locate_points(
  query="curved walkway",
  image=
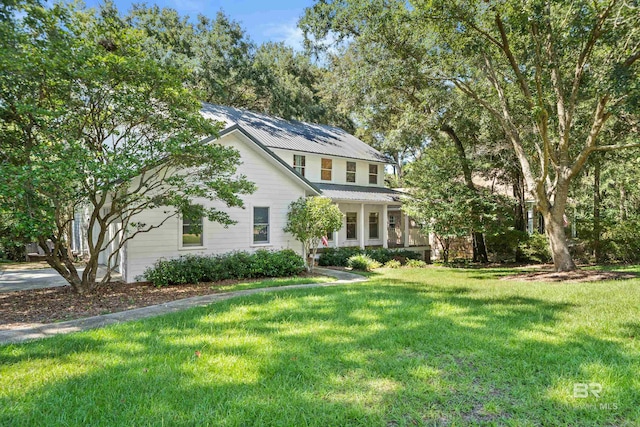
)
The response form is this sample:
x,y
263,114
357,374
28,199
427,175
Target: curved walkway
x,y
47,330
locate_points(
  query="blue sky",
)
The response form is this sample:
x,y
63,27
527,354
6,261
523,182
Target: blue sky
x,y
264,20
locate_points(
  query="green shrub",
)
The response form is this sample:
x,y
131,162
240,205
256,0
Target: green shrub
x,y
504,246
339,257
381,255
416,263
535,248
402,255
363,262
213,268
622,241
392,263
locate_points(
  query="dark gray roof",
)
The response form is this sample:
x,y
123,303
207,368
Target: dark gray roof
x,y
274,132
359,193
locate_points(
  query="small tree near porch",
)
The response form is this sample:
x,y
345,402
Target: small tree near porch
x,y
309,219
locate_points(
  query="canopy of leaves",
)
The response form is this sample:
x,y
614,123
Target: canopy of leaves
x,y
311,218
227,68
90,118
441,200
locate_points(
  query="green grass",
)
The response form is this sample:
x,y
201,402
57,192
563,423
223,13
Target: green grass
x,y
410,347
271,283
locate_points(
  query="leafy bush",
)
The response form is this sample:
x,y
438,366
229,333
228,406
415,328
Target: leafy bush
x,y
504,246
339,257
363,262
535,248
392,263
416,263
213,268
622,241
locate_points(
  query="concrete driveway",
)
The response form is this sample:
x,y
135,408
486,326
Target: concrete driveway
x,y
30,279
35,279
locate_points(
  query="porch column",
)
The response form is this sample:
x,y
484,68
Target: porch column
x,y
385,227
406,231
361,226
335,234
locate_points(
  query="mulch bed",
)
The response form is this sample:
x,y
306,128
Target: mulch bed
x,y
48,305
570,276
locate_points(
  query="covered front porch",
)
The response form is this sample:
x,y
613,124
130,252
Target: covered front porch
x,y
373,218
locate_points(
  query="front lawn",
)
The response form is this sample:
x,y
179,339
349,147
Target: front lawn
x,y
411,347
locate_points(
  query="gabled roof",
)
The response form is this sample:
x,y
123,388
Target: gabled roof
x,y
359,193
270,155
274,132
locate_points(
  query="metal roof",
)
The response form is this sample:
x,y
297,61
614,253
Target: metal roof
x,y
274,132
359,193
271,154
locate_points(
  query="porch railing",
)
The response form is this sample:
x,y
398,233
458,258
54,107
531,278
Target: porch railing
x,y
396,238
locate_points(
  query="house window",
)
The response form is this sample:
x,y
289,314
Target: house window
x,y
373,225
325,169
392,221
191,231
330,237
351,171
352,225
299,163
260,225
373,174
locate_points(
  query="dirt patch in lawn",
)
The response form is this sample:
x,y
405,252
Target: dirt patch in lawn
x,y
48,305
570,276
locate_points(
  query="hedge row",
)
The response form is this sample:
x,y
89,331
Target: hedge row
x,y
233,265
339,257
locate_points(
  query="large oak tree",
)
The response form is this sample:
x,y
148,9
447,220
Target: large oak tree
x,y
554,74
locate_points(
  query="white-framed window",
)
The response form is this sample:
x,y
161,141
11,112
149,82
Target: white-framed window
x,y
351,171
373,174
260,225
352,225
299,163
192,228
374,225
326,166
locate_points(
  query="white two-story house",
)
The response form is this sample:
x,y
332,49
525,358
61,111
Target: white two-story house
x,y
286,160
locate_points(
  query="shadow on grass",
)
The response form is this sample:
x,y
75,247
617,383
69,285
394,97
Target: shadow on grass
x,y
367,354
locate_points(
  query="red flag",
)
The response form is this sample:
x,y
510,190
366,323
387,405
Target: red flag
x,y
325,241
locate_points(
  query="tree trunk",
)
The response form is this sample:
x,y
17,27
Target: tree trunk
x,y
554,228
623,203
479,248
90,272
520,222
59,261
597,228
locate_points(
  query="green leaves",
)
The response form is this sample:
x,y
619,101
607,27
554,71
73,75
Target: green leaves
x,y
91,119
311,218
440,199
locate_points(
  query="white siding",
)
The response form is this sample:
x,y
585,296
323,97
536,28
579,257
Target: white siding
x,y
275,189
339,172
